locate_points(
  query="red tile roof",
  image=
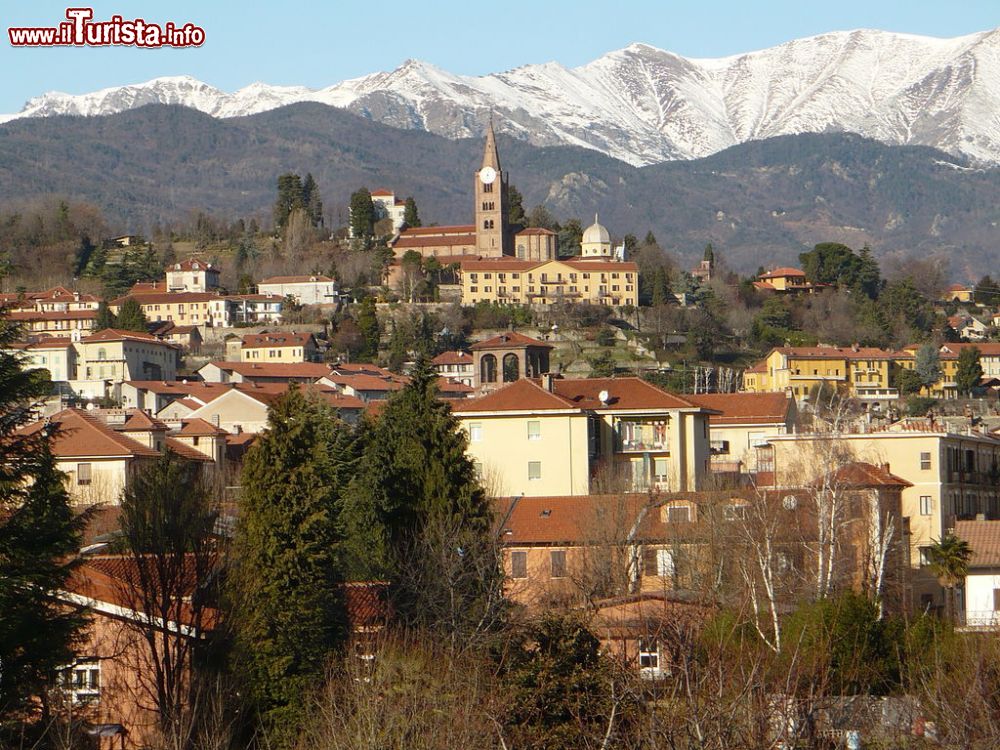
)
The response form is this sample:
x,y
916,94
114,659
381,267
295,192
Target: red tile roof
x,y
784,271
575,519
114,334
82,435
307,279
453,229
623,393
192,264
139,421
860,475
448,240
168,298
186,452
308,370
984,539
837,352
30,315
192,427
452,358
744,408
536,231
509,340
382,192
521,395
277,338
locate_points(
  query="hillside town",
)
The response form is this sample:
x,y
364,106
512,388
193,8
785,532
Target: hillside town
x,y
616,454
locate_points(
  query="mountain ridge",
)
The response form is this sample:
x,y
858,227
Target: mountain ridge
x,y
644,105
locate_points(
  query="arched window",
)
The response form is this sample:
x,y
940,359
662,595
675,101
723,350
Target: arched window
x,y
488,369
511,370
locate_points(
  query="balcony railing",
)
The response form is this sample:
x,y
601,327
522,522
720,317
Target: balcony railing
x,y
641,436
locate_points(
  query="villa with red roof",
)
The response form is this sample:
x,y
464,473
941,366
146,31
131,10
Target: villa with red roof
x,y
552,436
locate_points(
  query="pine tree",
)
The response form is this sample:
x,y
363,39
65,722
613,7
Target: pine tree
x,y
285,593
515,207
410,216
368,323
362,214
311,200
105,318
417,514
38,533
969,370
290,196
131,317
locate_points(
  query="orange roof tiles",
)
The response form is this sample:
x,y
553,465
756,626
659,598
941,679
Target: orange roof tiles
x,y
453,229
575,519
139,421
277,338
312,370
449,240
192,264
736,408
186,452
307,279
509,340
623,393
192,427
782,272
984,539
452,358
82,435
521,395
167,298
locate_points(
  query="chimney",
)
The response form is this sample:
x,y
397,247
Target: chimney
x,y
855,346
547,381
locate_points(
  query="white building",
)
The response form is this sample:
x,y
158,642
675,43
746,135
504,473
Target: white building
x,y
192,275
978,603
306,290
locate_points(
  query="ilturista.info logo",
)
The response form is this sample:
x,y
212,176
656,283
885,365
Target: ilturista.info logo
x,y
81,30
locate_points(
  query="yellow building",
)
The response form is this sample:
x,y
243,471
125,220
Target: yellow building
x,y
597,281
860,372
125,355
953,477
279,347
181,308
569,437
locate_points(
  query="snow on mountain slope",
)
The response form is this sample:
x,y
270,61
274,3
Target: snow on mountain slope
x,y
646,105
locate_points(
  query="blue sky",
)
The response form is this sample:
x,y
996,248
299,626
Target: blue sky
x,y
319,43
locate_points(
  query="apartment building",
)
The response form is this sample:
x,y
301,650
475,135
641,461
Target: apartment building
x,y
864,373
279,347
595,281
572,437
113,355
742,425
181,308
192,275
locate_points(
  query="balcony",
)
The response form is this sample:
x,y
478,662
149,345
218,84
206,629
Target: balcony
x,y
641,436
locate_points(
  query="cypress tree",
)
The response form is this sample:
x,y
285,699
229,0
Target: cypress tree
x,y
368,323
410,216
284,594
38,533
417,514
362,214
311,201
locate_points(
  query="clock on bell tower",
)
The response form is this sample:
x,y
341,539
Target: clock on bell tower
x,y
492,230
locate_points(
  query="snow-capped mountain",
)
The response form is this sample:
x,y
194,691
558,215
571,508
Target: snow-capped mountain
x,y
646,105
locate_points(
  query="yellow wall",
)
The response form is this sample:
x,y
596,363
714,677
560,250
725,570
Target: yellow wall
x,y
604,284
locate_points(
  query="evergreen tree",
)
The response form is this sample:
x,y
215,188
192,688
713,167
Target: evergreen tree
x,y
570,238
410,216
869,277
515,207
81,257
370,331
928,365
418,516
709,253
285,592
38,534
131,317
290,196
105,318
986,292
969,371
362,214
311,201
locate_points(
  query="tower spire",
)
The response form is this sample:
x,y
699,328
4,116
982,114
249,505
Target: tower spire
x,y
491,157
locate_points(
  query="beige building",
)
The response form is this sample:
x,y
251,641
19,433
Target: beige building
x,y
57,355
457,366
113,355
54,322
570,437
181,308
952,476
595,281
742,425
279,347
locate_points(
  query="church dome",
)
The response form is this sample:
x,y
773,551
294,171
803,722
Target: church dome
x,y
596,233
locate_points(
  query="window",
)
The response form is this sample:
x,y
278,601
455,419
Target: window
x,y
926,505
518,564
534,470
925,460
649,657
734,512
534,429
477,467
557,558
660,469
475,432
996,600
720,447
679,514
83,474
925,557
83,680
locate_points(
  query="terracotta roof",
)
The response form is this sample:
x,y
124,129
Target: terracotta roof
x,y
600,265
29,315
306,279
984,539
114,334
744,408
181,330
448,240
574,519
139,421
82,435
192,264
50,342
264,340
186,452
623,393
188,403
509,340
446,385
452,358
363,382
536,231
764,285
147,287
382,192
521,395
860,474
191,427
452,229
367,369
499,264
309,370
197,388
837,352
594,265
784,271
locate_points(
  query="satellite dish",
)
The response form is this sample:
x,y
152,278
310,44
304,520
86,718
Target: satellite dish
x,y
604,396
790,502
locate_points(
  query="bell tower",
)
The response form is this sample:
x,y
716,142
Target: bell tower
x,y
492,230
